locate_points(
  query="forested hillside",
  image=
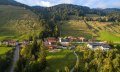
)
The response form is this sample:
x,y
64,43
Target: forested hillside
x,y
69,11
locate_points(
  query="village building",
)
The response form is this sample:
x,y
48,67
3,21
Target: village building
x,y
64,41
50,43
82,39
8,42
95,46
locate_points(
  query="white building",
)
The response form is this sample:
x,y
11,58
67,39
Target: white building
x,y
64,42
102,46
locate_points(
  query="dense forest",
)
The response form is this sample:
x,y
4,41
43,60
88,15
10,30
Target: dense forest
x,y
67,11
98,61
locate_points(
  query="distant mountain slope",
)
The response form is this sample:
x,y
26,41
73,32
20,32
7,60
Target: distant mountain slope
x,y
7,2
17,20
64,11
12,2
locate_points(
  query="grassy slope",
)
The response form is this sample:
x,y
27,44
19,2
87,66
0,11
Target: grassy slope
x,y
103,30
107,31
104,35
58,61
3,50
17,20
75,28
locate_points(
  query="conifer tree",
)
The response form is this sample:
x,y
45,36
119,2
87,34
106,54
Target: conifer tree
x,y
67,69
42,56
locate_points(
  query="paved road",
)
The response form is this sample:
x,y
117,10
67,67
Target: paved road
x,y
16,57
77,61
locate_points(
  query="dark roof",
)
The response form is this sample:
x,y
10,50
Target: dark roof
x,y
95,44
105,46
99,44
65,40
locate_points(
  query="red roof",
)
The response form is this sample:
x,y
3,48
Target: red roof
x,y
51,39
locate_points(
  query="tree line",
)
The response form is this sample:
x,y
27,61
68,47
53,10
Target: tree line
x,y
32,58
98,60
6,61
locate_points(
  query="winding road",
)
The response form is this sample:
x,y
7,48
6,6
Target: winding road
x,y
77,61
16,57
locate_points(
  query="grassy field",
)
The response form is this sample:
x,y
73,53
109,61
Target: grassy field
x,y
4,50
104,35
58,61
75,28
107,31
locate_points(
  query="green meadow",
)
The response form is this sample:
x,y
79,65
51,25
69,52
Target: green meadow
x,y
104,35
4,50
75,28
59,60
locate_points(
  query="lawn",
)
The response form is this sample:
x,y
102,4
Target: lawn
x,y
58,61
104,35
4,50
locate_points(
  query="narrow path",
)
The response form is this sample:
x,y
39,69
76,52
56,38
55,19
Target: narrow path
x,y
76,61
16,57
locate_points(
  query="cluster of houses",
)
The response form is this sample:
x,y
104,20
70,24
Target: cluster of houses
x,y
13,42
54,43
8,42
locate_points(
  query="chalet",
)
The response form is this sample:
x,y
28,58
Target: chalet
x,y
82,39
71,38
64,42
102,46
50,42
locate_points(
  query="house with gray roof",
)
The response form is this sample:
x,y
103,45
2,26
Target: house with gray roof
x,y
97,45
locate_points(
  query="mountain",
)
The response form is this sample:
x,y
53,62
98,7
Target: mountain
x,y
67,10
7,2
17,19
62,11
112,10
